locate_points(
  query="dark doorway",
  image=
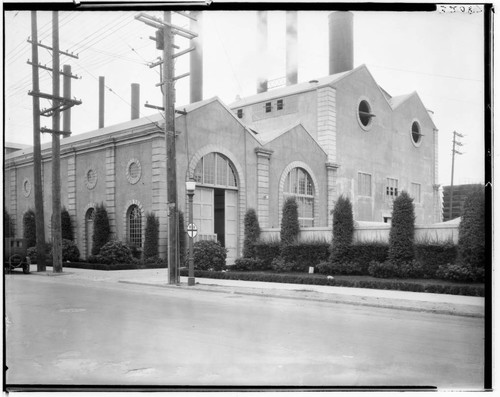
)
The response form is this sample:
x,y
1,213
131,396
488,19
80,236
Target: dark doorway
x,y
219,215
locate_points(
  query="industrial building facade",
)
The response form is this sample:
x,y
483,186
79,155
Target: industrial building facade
x,y
317,140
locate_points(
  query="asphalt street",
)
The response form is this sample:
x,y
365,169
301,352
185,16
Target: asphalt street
x,y
61,330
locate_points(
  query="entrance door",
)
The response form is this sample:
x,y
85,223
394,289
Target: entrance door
x,y
203,212
89,230
231,225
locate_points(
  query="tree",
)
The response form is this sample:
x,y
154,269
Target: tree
x,y
471,232
343,230
151,237
252,233
290,222
402,233
29,228
8,227
102,230
66,226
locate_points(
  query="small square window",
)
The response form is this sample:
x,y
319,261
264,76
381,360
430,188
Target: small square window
x,y
240,113
391,188
279,104
268,107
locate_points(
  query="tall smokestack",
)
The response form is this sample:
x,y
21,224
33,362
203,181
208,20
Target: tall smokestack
x,y
341,41
134,111
291,48
67,94
196,58
262,49
101,101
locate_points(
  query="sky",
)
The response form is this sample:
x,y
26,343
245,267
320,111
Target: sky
x,y
438,55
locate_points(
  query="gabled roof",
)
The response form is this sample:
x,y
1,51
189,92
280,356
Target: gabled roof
x,y
291,89
397,101
264,136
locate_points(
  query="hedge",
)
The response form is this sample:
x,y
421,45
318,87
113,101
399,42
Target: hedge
x,y
433,255
117,266
266,251
305,254
470,290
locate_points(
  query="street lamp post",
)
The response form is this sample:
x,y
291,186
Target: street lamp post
x,y
190,188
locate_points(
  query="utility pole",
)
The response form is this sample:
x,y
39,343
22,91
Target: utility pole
x,y
59,104
37,153
165,32
453,151
67,95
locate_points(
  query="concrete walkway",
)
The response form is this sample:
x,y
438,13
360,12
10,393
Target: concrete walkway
x,y
470,306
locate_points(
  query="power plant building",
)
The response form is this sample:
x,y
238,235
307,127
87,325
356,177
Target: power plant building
x,y
338,135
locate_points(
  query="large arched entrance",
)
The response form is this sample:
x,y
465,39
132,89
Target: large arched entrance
x,y
215,204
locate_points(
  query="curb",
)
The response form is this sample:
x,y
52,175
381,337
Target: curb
x,y
454,310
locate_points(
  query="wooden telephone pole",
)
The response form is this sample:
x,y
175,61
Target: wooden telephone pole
x,y
164,41
58,104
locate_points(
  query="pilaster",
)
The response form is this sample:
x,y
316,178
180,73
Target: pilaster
x,y
72,194
331,185
111,187
263,163
13,198
327,122
159,192
438,203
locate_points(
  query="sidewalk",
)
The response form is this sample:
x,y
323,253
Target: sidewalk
x,y
469,306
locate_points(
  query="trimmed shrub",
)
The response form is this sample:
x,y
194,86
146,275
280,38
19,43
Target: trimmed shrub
x,y
246,264
460,272
471,232
29,228
305,254
8,227
32,253
432,255
98,259
252,233
343,268
116,252
402,233
342,231
280,265
102,230
383,270
209,255
151,237
70,251
66,227
266,251
413,269
182,240
290,222
363,253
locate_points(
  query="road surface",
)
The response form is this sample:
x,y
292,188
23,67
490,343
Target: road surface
x,y
68,332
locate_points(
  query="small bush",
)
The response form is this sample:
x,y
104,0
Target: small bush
x,y
66,226
247,264
266,251
252,233
413,269
32,253
70,251
98,259
29,228
402,233
460,272
279,265
151,236
209,255
290,222
383,270
153,263
343,230
305,254
116,252
434,254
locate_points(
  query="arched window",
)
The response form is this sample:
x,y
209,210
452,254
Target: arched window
x,y
134,226
299,184
214,169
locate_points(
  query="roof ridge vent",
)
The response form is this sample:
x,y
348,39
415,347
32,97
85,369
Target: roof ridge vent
x,y
313,81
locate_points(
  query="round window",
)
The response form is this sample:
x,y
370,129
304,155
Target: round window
x,y
91,178
365,114
133,171
416,134
26,187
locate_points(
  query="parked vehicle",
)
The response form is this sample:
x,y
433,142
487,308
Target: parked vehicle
x,y
15,255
